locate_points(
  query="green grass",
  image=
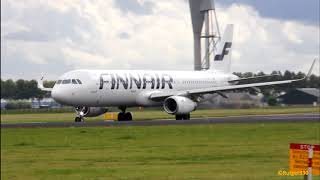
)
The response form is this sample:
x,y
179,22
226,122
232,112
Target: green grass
x,y
38,111
217,151
157,114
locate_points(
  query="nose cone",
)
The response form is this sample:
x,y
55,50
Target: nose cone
x,y
58,95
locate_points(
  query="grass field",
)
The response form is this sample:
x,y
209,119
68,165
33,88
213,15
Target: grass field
x,y
217,151
157,114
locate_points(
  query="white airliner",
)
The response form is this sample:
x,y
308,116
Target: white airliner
x,y
179,92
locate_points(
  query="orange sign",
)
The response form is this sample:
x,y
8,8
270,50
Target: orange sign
x,y
299,158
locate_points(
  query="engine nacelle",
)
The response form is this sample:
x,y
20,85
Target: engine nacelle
x,y
93,111
179,105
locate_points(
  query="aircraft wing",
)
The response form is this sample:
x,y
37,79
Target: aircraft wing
x,y
159,95
252,78
219,89
40,85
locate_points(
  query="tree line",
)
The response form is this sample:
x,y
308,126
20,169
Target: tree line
x,y
23,89
312,82
26,89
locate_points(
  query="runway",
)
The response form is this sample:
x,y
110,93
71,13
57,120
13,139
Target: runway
x,y
233,119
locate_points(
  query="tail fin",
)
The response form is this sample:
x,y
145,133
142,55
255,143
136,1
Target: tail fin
x,y
222,59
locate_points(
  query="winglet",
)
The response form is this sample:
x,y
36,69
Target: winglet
x,y
309,72
311,68
40,85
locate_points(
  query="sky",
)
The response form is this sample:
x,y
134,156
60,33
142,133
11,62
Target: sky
x,y
52,37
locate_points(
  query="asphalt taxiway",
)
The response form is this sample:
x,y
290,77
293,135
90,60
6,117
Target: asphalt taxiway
x,y
233,119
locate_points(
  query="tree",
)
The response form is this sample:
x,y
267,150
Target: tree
x,y
272,101
8,89
313,81
27,89
48,84
21,93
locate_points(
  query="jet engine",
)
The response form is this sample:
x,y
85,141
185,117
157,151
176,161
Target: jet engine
x,y
179,105
91,111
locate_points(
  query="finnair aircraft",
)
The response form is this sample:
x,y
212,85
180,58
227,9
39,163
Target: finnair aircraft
x,y
179,92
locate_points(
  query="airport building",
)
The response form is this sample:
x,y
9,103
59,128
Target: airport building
x,y
44,103
29,103
3,103
301,96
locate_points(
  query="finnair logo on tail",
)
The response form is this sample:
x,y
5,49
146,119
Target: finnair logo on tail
x,y
225,51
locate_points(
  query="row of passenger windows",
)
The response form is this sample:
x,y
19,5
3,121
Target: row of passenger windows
x,y
77,81
198,82
69,81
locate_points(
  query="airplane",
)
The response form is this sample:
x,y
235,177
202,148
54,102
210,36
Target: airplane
x,y
179,92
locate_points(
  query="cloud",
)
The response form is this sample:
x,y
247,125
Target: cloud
x,y
138,7
84,59
270,44
147,34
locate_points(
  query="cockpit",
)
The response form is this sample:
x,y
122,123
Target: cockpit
x,y
69,81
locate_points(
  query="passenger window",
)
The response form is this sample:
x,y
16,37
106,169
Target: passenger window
x,y
79,82
58,82
74,81
66,81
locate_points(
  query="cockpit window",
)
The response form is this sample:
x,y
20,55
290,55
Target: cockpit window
x,y
66,81
69,81
79,82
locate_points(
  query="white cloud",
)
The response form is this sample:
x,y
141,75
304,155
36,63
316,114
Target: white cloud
x,y
270,44
87,34
292,33
83,59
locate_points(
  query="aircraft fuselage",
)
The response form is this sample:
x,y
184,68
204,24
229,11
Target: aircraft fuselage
x,y
100,88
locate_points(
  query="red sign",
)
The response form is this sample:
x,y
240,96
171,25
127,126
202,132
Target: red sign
x,y
299,160
305,146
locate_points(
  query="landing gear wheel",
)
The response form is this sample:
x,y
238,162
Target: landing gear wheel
x,y
179,117
128,116
120,116
183,117
125,116
186,117
77,119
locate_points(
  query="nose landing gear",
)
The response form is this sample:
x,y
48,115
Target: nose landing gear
x,y
79,119
80,114
123,115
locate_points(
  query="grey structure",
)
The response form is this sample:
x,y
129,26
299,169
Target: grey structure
x,y
200,15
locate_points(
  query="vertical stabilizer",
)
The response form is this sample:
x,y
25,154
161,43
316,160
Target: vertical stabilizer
x,y
222,59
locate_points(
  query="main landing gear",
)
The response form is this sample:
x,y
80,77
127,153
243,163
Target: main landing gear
x,y
123,115
183,117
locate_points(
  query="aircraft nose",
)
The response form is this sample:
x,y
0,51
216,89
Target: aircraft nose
x,y
57,95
